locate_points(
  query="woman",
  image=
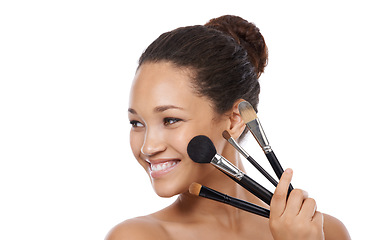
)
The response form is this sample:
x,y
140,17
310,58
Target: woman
x,y
189,82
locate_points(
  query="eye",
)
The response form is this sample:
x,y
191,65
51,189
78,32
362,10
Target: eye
x,y
135,124
170,121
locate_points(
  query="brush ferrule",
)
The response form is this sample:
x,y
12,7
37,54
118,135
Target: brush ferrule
x,y
238,147
259,134
223,164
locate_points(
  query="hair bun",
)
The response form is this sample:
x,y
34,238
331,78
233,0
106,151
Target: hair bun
x,y
247,35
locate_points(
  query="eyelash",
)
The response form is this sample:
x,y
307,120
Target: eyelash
x,y
166,121
134,123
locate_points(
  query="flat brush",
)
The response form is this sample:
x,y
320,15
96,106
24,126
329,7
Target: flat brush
x,y
251,120
202,191
202,150
229,138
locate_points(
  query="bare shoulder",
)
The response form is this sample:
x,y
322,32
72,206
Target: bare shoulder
x,y
335,229
144,228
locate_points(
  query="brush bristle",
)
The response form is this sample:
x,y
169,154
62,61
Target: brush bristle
x,y
195,188
247,112
226,135
201,149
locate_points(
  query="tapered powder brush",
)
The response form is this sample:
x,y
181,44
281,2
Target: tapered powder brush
x,y
206,192
229,138
202,150
251,120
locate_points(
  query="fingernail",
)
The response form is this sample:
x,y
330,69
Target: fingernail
x,y
288,170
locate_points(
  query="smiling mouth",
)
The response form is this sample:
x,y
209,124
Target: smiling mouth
x,y
163,166
159,169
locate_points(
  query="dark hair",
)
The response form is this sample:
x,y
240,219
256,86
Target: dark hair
x,y
227,54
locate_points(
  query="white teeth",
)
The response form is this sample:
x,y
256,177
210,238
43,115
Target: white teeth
x,y
163,166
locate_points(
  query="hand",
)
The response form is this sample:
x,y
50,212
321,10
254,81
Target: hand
x,y
296,218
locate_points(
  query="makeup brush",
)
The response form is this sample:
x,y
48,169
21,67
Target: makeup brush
x,y
250,118
229,138
202,150
202,191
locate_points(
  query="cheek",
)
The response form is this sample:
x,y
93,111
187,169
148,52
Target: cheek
x,y
214,132
179,138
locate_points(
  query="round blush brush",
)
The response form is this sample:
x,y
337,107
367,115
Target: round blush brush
x,y
202,150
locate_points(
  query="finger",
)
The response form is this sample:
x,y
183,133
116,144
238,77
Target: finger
x,y
295,201
278,202
308,209
318,218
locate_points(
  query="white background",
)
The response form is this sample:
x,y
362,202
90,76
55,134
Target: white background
x,y
66,170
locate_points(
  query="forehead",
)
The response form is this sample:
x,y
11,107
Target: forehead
x,y
162,84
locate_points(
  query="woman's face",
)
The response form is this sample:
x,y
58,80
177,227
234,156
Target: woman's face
x,y
165,115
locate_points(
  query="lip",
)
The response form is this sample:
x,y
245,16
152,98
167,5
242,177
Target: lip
x,y
165,166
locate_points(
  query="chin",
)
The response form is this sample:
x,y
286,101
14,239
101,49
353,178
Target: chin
x,y
168,189
165,194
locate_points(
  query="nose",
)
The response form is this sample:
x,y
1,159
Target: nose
x,y
153,144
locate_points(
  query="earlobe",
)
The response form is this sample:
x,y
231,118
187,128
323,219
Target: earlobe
x,y
237,125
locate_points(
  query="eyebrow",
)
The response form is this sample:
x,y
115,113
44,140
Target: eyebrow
x,y
165,107
131,110
158,109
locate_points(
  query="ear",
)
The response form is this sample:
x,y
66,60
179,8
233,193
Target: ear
x,y
237,125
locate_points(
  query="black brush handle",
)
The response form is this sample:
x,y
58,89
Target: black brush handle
x,y
272,158
253,187
235,202
249,207
262,171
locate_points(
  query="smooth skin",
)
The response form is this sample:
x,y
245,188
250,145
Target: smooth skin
x,y
166,113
